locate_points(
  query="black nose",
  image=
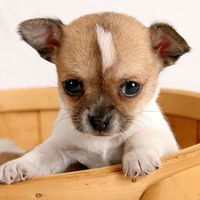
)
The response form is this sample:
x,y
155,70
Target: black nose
x,y
100,121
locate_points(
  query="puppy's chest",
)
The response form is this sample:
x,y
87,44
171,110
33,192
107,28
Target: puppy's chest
x,y
100,155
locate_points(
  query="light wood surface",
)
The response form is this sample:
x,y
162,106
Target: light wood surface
x,y
183,185
46,119
109,182
21,127
185,130
27,116
180,103
41,104
28,99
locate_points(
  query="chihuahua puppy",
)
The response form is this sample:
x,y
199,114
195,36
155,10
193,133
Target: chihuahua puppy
x,y
108,66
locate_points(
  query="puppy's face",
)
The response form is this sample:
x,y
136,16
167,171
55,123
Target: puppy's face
x,y
107,65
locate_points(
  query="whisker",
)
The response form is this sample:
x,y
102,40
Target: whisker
x,y
151,111
63,118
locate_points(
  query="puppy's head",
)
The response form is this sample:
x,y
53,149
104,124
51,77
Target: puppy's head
x,y
107,65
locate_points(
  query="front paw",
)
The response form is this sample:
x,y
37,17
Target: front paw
x,y
140,162
16,171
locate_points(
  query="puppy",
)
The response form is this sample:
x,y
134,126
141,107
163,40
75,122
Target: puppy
x,y
108,66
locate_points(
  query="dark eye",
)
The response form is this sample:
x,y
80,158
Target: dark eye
x,y
73,87
130,88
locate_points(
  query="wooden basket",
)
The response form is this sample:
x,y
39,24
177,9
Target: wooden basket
x,y
27,115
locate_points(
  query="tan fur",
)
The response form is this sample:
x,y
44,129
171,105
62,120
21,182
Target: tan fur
x,y
80,57
81,51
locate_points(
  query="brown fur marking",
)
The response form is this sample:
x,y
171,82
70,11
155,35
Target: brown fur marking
x,y
7,156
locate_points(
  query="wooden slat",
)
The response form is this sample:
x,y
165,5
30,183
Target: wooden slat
x,y
47,119
105,183
22,128
186,130
180,103
183,185
174,102
28,99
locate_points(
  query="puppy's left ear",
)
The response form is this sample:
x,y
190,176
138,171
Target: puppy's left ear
x,y
43,34
167,43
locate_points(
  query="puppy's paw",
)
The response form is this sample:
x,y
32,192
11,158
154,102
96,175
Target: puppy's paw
x,y
16,171
140,162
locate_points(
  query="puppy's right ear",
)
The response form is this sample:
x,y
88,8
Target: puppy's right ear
x,y
167,43
42,34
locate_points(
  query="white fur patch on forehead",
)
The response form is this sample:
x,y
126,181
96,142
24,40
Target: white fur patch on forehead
x,y
106,45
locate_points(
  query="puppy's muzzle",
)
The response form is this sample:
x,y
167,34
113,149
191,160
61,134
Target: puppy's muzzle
x,y
99,120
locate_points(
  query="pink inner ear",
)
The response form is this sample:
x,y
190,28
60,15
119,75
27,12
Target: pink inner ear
x,y
46,37
164,45
52,42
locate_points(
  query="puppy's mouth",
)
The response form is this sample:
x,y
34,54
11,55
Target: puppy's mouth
x,y
101,121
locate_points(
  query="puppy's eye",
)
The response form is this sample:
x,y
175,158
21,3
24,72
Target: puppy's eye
x,y
73,87
130,88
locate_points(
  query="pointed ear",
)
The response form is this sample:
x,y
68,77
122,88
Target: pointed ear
x,y
42,34
167,43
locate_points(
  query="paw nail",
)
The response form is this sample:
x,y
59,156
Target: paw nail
x,y
136,174
126,173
